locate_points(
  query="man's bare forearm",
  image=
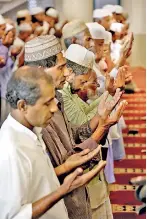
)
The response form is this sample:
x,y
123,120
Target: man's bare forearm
x,y
41,206
94,123
98,134
59,170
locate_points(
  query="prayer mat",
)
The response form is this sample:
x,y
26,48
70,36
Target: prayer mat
x,y
122,194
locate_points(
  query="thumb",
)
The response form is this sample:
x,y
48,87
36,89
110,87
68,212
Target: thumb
x,y
71,177
84,152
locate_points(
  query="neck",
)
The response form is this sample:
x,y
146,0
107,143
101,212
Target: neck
x,y
21,119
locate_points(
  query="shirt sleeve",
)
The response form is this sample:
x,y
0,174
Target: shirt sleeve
x,y
14,186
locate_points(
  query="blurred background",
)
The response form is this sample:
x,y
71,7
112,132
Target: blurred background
x,y
83,9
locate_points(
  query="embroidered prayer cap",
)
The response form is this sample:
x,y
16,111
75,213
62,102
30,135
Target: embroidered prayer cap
x,y
2,20
52,12
119,9
36,10
108,37
80,55
110,8
18,42
25,27
8,28
97,31
101,13
72,28
116,27
42,47
22,13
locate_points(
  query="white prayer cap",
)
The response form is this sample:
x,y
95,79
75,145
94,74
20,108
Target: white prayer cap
x,y
97,31
110,8
36,10
80,55
72,28
25,27
101,13
22,13
42,47
108,37
119,9
39,28
116,27
18,42
2,20
52,12
9,27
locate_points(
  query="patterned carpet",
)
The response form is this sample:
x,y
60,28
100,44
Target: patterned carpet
x,y
122,194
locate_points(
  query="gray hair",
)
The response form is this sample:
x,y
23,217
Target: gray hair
x,y
48,62
25,86
68,41
97,20
77,69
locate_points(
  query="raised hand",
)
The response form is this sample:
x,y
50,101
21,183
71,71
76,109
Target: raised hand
x,y
107,122
127,46
78,159
76,179
106,106
120,79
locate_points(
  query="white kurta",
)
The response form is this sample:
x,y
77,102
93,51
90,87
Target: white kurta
x,y
26,173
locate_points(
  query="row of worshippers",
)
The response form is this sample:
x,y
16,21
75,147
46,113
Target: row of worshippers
x,y
29,153
89,113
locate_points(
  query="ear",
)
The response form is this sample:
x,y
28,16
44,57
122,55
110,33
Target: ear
x,y
22,106
73,40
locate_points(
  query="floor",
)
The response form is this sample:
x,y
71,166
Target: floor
x,y
122,196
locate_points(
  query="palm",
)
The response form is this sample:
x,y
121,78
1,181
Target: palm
x,y
106,106
78,159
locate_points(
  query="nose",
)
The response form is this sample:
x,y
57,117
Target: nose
x,y
54,107
66,72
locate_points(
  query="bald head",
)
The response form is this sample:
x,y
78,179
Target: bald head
x,y
25,84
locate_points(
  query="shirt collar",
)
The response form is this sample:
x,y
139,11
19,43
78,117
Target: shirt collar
x,y
21,128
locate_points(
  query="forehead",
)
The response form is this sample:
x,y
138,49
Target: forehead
x,y
99,41
47,89
61,60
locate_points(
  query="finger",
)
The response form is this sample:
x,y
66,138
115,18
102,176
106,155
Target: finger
x,y
71,177
84,152
111,81
105,96
121,108
92,154
117,96
91,174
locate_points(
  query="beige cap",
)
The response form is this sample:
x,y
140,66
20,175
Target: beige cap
x,y
119,9
52,12
41,48
101,13
25,27
116,27
108,37
36,10
2,20
72,28
80,55
22,13
97,31
110,8
18,42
